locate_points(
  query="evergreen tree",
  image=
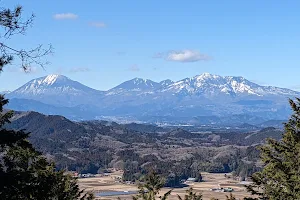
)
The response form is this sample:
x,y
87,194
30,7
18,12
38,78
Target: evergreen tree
x,y
26,174
152,185
280,177
191,195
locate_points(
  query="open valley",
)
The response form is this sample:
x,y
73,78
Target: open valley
x,y
109,186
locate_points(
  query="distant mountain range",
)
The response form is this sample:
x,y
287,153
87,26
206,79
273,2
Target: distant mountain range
x,y
191,100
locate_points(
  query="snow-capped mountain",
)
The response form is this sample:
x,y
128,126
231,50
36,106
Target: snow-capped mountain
x,y
206,85
166,83
213,85
57,90
133,86
201,95
137,84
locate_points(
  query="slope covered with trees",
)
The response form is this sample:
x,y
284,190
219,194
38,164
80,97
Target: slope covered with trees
x,y
92,146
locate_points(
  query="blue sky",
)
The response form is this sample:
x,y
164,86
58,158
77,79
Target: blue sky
x,y
103,43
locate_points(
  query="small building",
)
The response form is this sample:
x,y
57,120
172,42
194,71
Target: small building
x,y
190,180
228,189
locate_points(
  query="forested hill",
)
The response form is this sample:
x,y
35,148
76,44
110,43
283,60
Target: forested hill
x,y
90,146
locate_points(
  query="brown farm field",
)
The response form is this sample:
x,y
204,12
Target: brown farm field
x,y
108,183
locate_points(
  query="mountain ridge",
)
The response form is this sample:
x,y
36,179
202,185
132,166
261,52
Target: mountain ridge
x,y
201,95
199,81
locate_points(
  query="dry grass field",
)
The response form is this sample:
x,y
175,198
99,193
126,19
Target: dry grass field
x,y
108,184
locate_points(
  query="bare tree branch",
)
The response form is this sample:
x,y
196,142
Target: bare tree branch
x,y
13,24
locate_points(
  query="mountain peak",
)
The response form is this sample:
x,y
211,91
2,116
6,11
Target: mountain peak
x,y
137,84
139,80
211,85
52,78
55,85
206,76
205,94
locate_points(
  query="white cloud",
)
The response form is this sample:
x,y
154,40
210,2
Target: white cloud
x,y
98,24
186,56
62,16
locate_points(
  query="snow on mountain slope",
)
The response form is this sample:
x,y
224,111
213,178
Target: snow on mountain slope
x,y
204,94
137,84
52,83
214,85
166,83
206,84
55,89
134,85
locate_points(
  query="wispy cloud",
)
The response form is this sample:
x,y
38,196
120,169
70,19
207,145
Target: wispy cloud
x,y
134,68
186,55
98,24
79,69
62,16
